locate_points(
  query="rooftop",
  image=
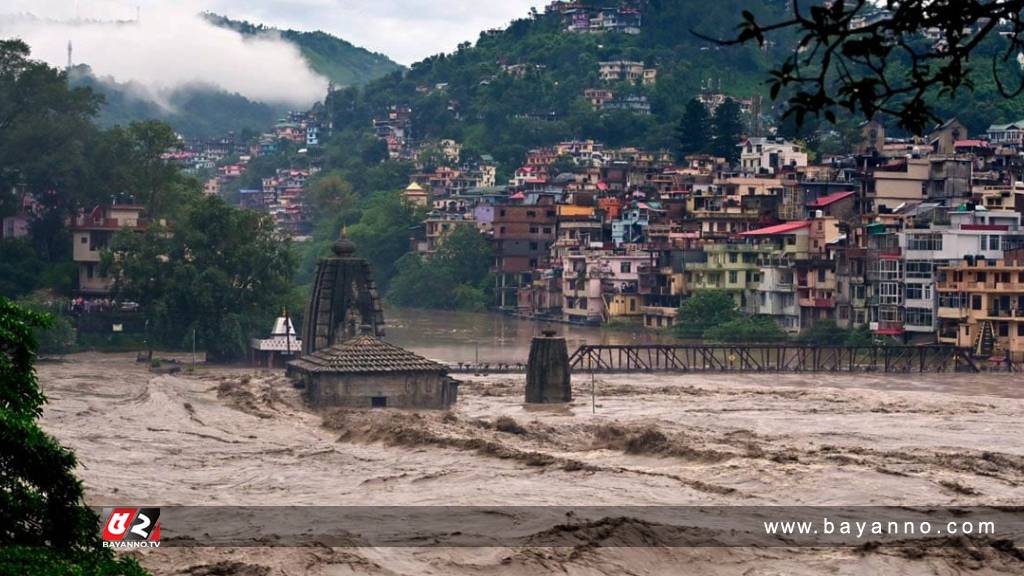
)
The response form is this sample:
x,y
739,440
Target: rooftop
x,y
365,355
830,199
786,228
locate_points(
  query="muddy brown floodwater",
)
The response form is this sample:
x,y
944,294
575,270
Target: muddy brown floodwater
x,y
232,436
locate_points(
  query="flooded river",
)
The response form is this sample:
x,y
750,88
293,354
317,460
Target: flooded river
x,y
237,436
453,337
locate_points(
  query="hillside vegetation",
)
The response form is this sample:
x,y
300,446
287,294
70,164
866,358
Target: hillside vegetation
x,y
470,95
333,58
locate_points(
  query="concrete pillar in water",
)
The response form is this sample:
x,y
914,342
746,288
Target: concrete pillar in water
x,y
547,372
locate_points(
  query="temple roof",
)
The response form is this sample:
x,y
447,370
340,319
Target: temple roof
x,y
362,355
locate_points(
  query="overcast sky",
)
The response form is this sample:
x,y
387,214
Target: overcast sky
x,y
405,30
172,46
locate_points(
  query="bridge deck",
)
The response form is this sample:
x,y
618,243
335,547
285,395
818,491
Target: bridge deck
x,y
767,358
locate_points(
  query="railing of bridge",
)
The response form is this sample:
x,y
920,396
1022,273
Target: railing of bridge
x,y
768,358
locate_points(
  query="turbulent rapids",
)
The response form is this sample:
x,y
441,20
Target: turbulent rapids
x,y
235,437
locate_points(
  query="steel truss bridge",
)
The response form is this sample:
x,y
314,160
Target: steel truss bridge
x,y
769,358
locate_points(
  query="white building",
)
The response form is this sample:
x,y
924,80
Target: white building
x,y
1011,134
282,346
977,233
767,156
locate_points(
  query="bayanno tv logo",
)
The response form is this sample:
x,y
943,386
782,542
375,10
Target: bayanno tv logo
x,y
130,527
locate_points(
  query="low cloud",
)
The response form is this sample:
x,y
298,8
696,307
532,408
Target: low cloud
x,y
168,47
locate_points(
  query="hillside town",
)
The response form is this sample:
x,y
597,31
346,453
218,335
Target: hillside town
x,y
918,239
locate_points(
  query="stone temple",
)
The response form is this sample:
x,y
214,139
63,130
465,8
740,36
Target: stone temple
x,y
344,297
344,362
366,372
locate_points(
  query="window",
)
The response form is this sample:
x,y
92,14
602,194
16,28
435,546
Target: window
x,y
889,269
632,305
919,316
85,240
993,242
732,277
925,242
626,267
975,302
821,275
919,269
889,293
547,230
919,291
534,229
1020,329
732,257
1004,329
530,214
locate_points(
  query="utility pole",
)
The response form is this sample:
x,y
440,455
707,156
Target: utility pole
x,y
593,393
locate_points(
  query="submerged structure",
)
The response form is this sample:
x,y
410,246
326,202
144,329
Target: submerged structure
x,y
344,297
283,345
366,372
548,379
344,362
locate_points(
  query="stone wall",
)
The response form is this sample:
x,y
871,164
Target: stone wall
x,y
431,390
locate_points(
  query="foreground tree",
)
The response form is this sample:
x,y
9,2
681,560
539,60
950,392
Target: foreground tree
x,y
883,58
47,529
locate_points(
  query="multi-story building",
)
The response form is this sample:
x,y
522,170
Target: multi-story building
x,y
523,234
91,234
602,285
767,156
981,305
1011,134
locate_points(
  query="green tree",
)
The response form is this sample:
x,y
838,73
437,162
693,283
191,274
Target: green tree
x,y
746,329
46,136
694,129
466,254
421,284
728,125
47,528
156,183
332,194
20,268
825,333
702,311
220,272
383,233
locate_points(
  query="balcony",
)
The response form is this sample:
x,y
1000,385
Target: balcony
x,y
950,313
887,328
817,302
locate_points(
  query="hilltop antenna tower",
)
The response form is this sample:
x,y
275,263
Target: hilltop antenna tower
x,y
69,56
